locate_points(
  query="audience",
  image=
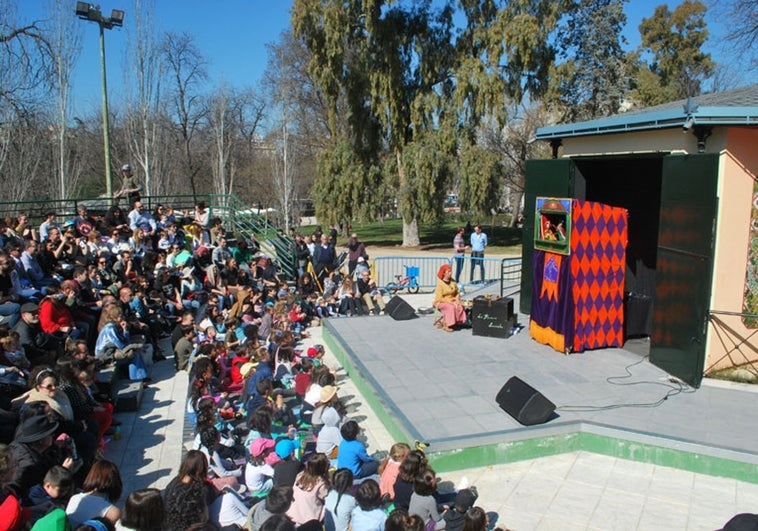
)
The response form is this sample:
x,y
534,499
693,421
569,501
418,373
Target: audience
x,y
267,416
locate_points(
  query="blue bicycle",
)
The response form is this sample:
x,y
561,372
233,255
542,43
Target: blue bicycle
x,y
409,281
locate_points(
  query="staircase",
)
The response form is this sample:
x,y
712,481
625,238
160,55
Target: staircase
x,y
240,218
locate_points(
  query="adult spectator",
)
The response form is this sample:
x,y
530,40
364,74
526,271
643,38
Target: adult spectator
x,y
35,454
24,229
140,219
324,256
46,225
369,293
302,254
116,221
459,252
478,242
125,267
56,318
355,250
40,347
10,309
33,269
129,186
201,220
221,253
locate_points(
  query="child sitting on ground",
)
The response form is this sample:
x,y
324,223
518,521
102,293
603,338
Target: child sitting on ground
x,y
369,514
390,467
259,473
54,491
352,453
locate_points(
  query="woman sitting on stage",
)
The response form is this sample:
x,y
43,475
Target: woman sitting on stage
x,y
447,299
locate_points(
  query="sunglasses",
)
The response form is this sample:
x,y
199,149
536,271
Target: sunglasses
x,y
49,387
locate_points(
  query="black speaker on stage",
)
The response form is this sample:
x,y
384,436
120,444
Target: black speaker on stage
x,y
399,310
524,403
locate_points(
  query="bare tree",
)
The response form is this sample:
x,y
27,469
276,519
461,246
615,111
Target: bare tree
x,y
25,61
514,144
233,119
144,93
186,67
65,41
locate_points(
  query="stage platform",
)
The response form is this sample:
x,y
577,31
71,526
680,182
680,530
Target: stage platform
x,y
440,387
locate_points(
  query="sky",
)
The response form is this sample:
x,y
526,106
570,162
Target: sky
x,y
231,34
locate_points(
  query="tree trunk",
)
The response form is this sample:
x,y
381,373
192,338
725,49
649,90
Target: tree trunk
x,y
410,227
410,233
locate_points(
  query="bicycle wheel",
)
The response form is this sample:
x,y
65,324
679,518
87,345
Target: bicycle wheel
x,y
392,288
413,286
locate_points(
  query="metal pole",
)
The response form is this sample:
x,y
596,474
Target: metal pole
x,y
106,130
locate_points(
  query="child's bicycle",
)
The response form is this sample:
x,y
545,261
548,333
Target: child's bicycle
x,y
409,281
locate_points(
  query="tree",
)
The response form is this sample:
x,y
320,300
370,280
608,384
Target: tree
x,y
678,66
514,145
144,95
411,86
25,62
233,120
742,21
591,81
65,46
186,67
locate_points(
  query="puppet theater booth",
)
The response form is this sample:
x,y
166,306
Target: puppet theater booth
x,y
578,274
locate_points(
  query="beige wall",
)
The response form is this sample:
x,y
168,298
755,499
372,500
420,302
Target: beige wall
x,y
737,170
662,140
728,344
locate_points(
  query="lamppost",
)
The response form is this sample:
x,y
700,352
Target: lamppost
x,y
91,12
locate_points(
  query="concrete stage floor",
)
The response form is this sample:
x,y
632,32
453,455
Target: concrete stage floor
x,y
440,387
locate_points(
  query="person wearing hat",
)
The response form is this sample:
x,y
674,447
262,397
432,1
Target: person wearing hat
x,y
40,347
35,453
129,186
259,472
286,470
329,437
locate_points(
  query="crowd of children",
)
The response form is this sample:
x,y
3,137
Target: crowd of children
x,y
274,447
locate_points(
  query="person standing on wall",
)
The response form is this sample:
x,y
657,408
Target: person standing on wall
x,y
478,244
459,252
129,186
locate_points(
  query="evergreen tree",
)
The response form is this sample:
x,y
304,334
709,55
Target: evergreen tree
x,y
592,80
678,66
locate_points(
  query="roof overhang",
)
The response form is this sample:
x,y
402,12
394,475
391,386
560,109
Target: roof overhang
x,y
653,120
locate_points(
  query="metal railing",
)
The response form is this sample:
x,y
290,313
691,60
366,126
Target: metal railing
x,y
506,271
238,217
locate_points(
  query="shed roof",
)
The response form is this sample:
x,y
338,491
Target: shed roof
x,y
733,107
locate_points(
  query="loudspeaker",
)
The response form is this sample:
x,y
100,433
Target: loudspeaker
x,y
399,310
524,403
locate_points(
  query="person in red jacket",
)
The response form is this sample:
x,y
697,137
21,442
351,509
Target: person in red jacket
x,y
56,318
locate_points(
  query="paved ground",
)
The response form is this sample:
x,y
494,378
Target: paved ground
x,y
577,490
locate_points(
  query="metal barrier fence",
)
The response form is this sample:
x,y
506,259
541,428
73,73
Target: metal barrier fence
x,y
506,271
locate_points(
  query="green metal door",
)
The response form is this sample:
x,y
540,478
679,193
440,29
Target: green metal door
x,y
544,178
684,264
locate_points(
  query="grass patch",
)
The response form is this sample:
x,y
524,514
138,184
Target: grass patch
x,y
438,237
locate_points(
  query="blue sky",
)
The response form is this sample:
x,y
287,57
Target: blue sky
x,y
231,34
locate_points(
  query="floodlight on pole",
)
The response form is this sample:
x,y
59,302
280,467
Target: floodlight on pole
x,y
92,13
